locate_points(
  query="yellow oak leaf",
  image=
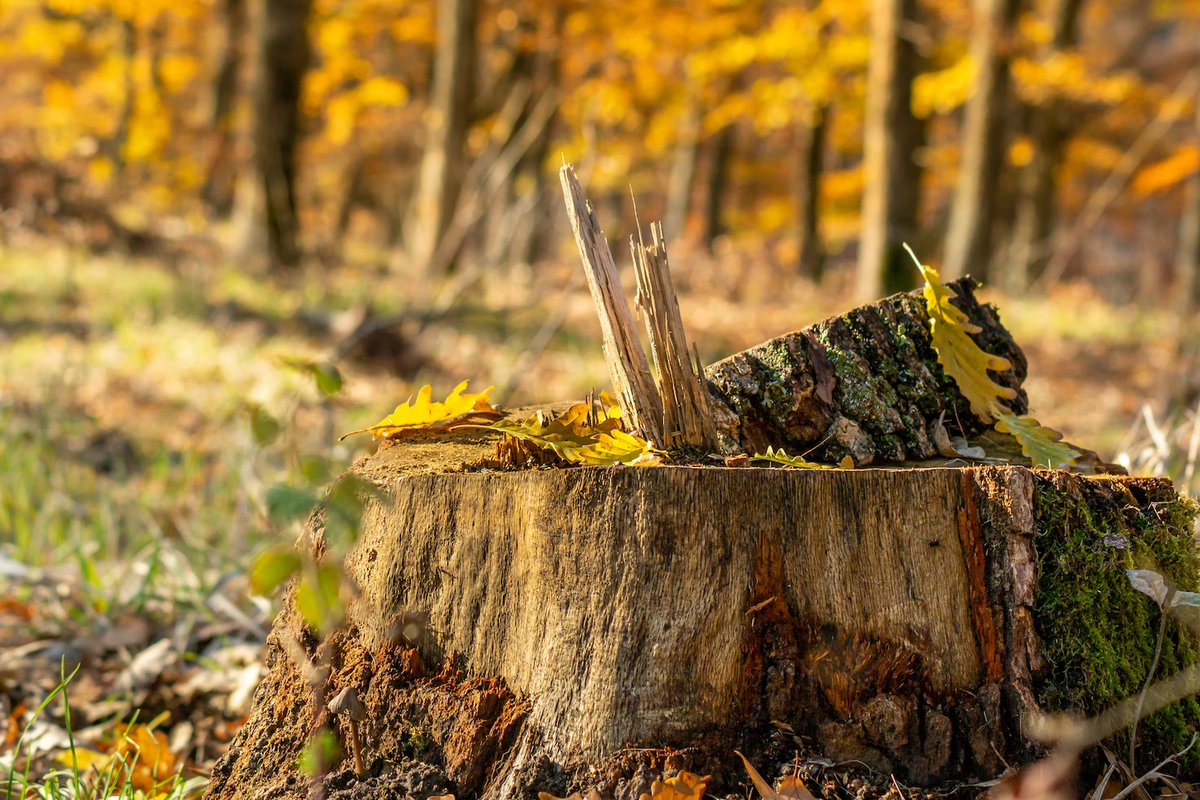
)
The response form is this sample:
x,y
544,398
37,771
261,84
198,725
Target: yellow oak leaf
x,y
960,357
619,447
425,413
1041,444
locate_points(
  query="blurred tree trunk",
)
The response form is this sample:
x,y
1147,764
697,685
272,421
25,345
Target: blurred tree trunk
x,y
892,136
219,187
810,160
718,177
1187,259
446,122
284,57
115,147
1049,129
530,241
968,240
683,170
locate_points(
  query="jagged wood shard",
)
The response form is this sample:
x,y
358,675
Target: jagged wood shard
x,y
686,416
627,363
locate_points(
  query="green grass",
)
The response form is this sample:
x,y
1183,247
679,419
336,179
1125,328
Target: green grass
x,y
116,778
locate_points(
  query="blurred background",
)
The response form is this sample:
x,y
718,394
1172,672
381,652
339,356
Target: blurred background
x,y
231,230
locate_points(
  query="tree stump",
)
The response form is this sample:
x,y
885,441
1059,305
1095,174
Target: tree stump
x,y
573,628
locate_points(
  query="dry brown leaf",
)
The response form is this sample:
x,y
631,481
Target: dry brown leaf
x,y
1052,778
792,788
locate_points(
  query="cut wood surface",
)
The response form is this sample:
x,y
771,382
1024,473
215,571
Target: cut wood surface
x,y
891,616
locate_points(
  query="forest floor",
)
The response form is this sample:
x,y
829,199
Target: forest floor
x,y
133,483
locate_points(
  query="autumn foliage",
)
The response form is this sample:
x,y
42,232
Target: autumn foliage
x,y
703,107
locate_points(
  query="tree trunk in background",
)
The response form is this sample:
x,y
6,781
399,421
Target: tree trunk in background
x,y
968,240
115,147
1187,259
892,135
718,177
536,229
810,162
683,171
1048,133
222,172
446,122
284,57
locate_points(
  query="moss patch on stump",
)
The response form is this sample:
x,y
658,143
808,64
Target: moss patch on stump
x,y
1098,632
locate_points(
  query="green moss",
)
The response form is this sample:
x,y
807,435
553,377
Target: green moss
x,y
1098,633
415,742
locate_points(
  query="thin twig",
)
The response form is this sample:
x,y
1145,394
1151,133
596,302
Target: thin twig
x,y
1137,713
1169,759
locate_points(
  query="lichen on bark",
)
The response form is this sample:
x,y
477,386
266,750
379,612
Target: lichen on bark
x,y
883,388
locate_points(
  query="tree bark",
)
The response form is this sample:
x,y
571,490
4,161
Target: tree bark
x,y
284,57
219,186
1187,258
586,626
447,120
718,178
968,240
683,170
810,163
891,137
1049,127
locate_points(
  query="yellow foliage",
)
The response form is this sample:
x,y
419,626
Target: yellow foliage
x,y
382,91
960,357
943,91
425,413
584,433
1065,74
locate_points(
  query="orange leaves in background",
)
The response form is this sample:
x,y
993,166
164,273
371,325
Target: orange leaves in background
x,y
1176,168
426,413
141,752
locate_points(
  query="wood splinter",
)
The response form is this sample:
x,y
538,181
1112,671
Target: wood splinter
x,y
674,411
682,386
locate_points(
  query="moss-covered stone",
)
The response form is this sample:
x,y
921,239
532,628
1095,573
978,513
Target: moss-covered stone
x,y
1098,632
